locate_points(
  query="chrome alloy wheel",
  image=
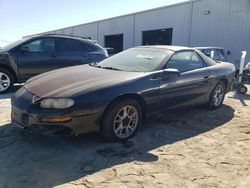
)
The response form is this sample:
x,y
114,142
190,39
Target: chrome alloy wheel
x,y
126,121
218,95
4,81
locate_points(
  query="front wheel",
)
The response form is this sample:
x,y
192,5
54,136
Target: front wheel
x,y
217,96
6,81
121,120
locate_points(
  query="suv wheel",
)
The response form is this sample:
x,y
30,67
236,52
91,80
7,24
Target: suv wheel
x,y
6,81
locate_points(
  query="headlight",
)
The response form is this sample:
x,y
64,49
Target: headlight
x,y
56,103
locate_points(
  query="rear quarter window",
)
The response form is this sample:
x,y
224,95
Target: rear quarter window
x,y
72,45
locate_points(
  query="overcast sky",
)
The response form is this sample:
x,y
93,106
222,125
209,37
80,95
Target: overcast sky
x,y
25,17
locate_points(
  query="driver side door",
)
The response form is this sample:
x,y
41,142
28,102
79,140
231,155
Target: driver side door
x,y
190,87
40,56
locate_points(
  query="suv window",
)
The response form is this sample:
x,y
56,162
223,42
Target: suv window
x,y
185,61
42,45
71,45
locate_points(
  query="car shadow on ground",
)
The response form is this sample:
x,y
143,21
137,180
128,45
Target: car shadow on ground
x,y
34,160
241,97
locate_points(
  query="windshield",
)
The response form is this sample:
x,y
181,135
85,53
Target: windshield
x,y
13,44
136,60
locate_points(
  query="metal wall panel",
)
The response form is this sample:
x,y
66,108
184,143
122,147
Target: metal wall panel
x,y
86,30
227,25
176,17
65,31
121,25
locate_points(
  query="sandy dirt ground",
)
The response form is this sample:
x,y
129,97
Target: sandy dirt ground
x,y
195,148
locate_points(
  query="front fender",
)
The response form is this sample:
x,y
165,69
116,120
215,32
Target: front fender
x,y
98,100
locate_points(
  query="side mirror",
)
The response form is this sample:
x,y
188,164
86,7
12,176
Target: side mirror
x,y
24,49
169,73
228,52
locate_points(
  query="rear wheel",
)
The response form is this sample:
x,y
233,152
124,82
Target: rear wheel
x,y
217,95
121,120
241,88
6,81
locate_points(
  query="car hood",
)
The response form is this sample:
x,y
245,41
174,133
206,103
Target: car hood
x,y
71,81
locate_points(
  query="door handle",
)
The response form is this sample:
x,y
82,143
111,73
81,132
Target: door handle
x,y
206,77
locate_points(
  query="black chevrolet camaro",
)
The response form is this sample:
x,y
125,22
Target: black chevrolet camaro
x,y
115,95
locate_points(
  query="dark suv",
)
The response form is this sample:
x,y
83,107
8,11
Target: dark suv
x,y
30,56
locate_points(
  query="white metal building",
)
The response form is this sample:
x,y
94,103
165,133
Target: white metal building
x,y
222,23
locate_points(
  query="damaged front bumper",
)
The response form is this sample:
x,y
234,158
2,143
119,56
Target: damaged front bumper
x,y
27,115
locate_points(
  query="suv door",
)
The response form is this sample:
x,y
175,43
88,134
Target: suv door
x,y
73,52
191,86
39,57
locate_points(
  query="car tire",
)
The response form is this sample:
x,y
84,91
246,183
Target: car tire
x,y
241,88
121,120
217,96
6,81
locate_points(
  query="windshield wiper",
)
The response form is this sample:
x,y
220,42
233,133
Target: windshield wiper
x,y
95,64
111,68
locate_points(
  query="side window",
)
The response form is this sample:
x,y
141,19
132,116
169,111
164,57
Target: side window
x,y
71,45
42,45
185,61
